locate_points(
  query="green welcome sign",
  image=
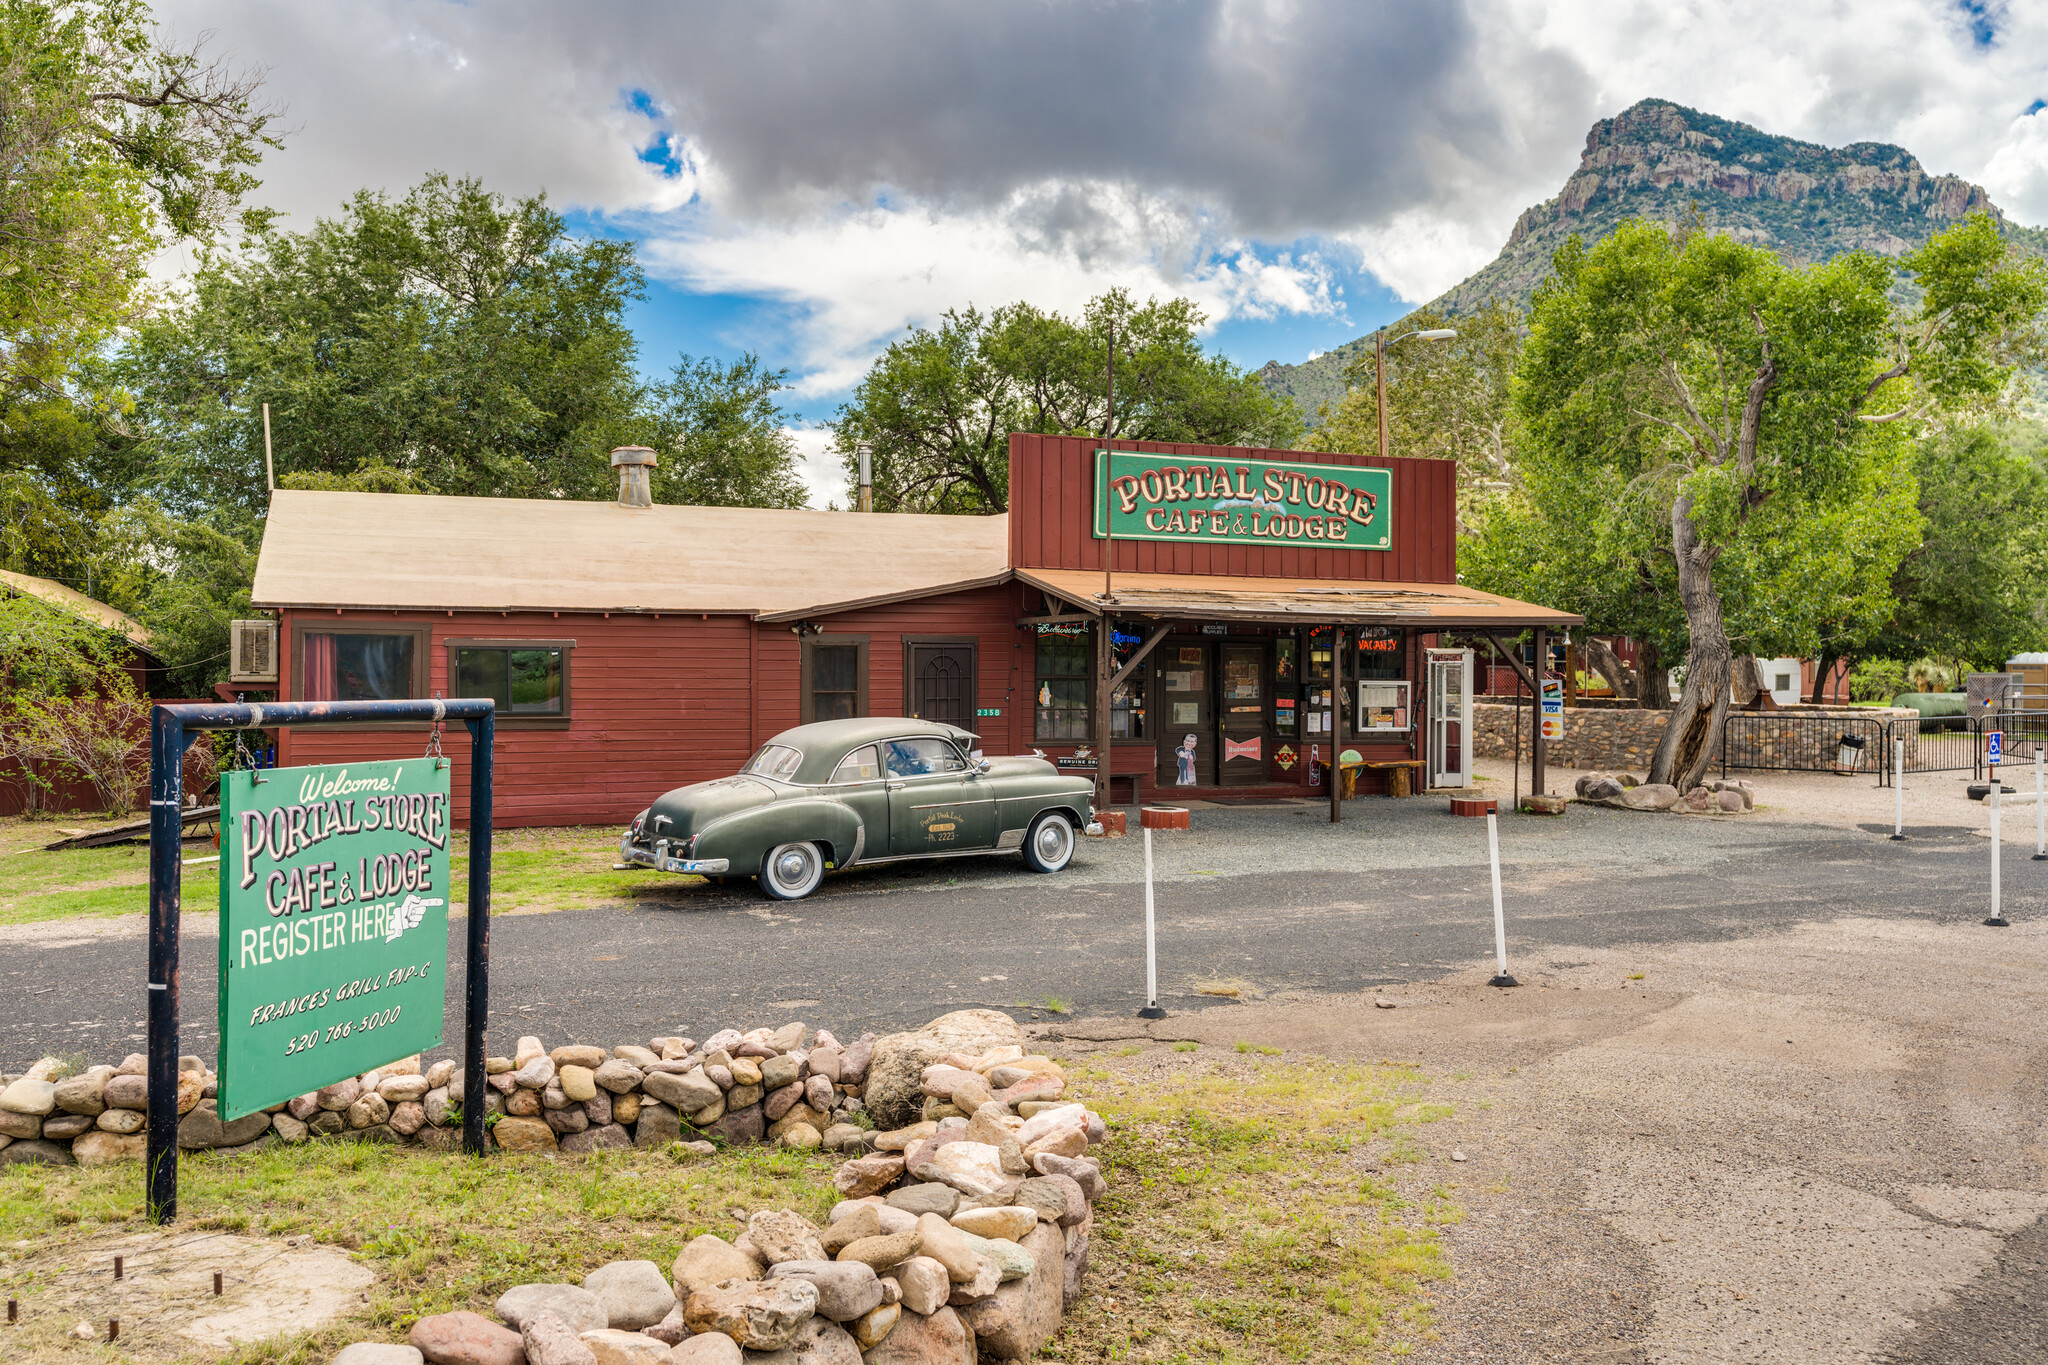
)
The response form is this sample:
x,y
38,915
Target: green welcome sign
x,y
1257,502
333,924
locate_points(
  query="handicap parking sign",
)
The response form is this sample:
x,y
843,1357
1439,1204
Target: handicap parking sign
x,y
1996,753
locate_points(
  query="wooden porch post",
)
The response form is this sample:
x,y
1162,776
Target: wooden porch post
x,y
1103,655
1336,684
1536,744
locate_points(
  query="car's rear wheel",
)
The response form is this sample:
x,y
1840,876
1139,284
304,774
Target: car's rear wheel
x,y
792,871
1049,843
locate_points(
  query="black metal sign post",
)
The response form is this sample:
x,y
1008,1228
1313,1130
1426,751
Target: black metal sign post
x,y
172,729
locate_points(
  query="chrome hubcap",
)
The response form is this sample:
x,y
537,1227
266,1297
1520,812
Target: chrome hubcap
x,y
792,867
1052,840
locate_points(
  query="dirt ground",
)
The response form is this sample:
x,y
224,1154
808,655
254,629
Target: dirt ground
x,y
1818,1145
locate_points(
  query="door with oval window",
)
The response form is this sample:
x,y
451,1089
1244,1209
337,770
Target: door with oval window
x,y
938,681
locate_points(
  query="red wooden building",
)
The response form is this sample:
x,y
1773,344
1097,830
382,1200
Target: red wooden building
x,y
1264,610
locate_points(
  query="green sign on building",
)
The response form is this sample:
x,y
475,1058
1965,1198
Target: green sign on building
x,y
333,924
1250,502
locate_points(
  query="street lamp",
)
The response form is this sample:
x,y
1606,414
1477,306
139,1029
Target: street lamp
x,y
1380,370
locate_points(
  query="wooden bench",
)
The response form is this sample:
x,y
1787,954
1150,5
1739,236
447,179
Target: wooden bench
x,y
1400,781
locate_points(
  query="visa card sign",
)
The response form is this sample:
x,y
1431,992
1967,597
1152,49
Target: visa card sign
x,y
333,924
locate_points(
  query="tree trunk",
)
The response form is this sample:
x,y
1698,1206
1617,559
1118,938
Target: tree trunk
x,y
1821,668
1747,685
1693,734
1653,689
1609,667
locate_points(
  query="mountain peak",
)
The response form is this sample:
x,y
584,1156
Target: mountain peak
x,y
1661,160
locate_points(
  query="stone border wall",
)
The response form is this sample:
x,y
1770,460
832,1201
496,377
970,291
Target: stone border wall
x,y
1625,738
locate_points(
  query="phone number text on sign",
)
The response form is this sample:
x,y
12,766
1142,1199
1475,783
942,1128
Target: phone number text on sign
x,y
334,918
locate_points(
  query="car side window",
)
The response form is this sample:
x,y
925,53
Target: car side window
x,y
921,756
862,765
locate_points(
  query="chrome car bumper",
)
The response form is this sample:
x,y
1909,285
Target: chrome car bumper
x,y
632,855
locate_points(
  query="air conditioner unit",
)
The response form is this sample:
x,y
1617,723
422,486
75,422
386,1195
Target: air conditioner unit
x,y
252,654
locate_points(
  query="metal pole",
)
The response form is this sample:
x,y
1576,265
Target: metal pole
x,y
166,868
1998,919
1899,787
1336,681
1380,376
269,470
476,981
1108,424
1151,1010
2040,806
1538,750
1500,923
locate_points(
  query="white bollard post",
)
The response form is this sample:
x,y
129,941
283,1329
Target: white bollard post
x,y
2040,805
1899,782
1151,1010
1500,923
1998,919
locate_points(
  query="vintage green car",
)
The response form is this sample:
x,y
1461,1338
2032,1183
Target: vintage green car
x,y
867,790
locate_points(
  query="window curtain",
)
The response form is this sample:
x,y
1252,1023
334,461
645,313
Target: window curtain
x,y
316,680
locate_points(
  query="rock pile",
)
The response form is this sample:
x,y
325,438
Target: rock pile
x,y
1624,792
962,1237
785,1085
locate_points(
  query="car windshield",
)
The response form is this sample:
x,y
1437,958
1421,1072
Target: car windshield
x,y
778,761
917,757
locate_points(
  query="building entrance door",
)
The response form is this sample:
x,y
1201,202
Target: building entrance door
x,y
939,681
1243,728
1187,721
1450,717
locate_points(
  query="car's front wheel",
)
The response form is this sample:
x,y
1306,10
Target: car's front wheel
x,y
792,871
1049,843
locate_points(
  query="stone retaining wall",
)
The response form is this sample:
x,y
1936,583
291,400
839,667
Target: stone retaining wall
x,y
1625,738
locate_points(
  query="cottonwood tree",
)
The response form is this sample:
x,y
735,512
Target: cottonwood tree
x,y
938,406
1767,411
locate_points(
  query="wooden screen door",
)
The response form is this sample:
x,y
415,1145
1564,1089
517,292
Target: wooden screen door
x,y
941,681
1243,728
1187,719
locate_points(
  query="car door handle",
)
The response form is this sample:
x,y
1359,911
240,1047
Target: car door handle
x,y
892,786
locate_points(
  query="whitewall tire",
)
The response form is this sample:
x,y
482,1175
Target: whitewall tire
x,y
1049,843
792,871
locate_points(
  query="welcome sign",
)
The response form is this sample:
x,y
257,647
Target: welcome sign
x,y
1258,502
333,924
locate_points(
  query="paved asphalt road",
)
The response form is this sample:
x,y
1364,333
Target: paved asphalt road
x,y
1272,897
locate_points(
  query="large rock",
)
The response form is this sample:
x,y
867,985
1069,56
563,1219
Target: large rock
x,y
687,1094
550,1341
523,1135
611,1346
1010,1258
202,1128
1008,1223
846,1289
943,1200
870,1330
707,1348
785,1236
1023,1315
985,1281
607,1137
635,1294
465,1338
820,1341
739,1125
130,1092
618,1076
939,1339
577,1308
64,1127
945,1244
104,1149
880,1253
1651,796
377,1353
894,1094
29,1096
709,1260
1076,1268
859,1220
84,1094
134,1120
924,1283
35,1152
654,1127
973,1168
761,1315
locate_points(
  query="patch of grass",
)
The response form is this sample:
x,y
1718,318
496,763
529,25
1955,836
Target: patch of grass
x,y
1238,1226
91,883
1186,1047
441,1232
1057,1005
1130,1050
1635,976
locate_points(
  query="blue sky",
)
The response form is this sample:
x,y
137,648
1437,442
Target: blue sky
x,y
806,180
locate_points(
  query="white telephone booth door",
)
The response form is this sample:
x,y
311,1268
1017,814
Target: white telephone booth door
x,y
1450,718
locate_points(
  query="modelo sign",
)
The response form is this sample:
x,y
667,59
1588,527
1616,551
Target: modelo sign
x,y
333,924
1170,497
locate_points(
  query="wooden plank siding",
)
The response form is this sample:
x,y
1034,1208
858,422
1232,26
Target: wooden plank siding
x,y
1052,501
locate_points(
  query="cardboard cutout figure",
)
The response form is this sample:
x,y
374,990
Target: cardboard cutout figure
x,y
1186,754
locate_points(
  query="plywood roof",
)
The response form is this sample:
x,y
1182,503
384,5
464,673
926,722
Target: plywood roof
x,y
1312,601
412,551
76,603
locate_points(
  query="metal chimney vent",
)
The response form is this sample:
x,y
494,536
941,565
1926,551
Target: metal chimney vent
x,y
633,462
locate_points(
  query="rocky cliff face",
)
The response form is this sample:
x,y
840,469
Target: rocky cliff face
x,y
1661,160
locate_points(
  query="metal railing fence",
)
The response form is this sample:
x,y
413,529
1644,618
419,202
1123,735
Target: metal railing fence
x,y
1953,744
1777,741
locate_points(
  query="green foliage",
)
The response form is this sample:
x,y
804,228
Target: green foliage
x,y
938,406
459,339
721,438
112,144
45,652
